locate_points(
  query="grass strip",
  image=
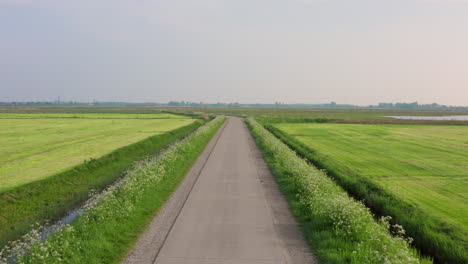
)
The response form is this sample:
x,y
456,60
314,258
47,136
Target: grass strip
x,y
339,228
116,216
433,237
51,198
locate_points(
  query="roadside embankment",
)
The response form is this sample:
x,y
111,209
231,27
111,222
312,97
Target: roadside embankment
x,y
339,228
53,197
115,217
443,241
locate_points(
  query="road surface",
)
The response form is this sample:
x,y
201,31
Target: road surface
x,y
228,210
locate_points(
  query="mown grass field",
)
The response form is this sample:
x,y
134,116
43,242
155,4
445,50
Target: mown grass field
x,y
36,146
53,142
415,173
278,113
339,228
115,218
426,166
111,115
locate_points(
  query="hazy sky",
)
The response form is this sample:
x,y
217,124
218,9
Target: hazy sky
x,y
293,51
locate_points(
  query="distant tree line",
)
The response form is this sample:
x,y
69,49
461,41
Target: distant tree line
x,y
415,105
399,105
42,103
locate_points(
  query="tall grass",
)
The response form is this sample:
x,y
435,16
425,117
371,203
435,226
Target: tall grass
x,y
433,237
340,229
114,217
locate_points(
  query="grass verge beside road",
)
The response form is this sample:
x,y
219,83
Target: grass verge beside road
x,y
443,241
52,197
116,216
339,229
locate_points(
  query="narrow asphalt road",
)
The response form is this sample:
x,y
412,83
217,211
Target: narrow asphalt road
x,y
228,210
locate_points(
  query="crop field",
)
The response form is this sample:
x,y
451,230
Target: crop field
x,y
35,146
426,166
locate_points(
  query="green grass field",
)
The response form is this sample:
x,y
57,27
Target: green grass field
x,y
278,113
35,146
90,115
425,165
414,173
109,229
297,114
338,228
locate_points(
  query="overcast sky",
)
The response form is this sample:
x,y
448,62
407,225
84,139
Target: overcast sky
x,y
293,51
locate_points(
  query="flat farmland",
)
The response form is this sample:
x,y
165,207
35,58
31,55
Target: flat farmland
x,y
426,166
36,146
